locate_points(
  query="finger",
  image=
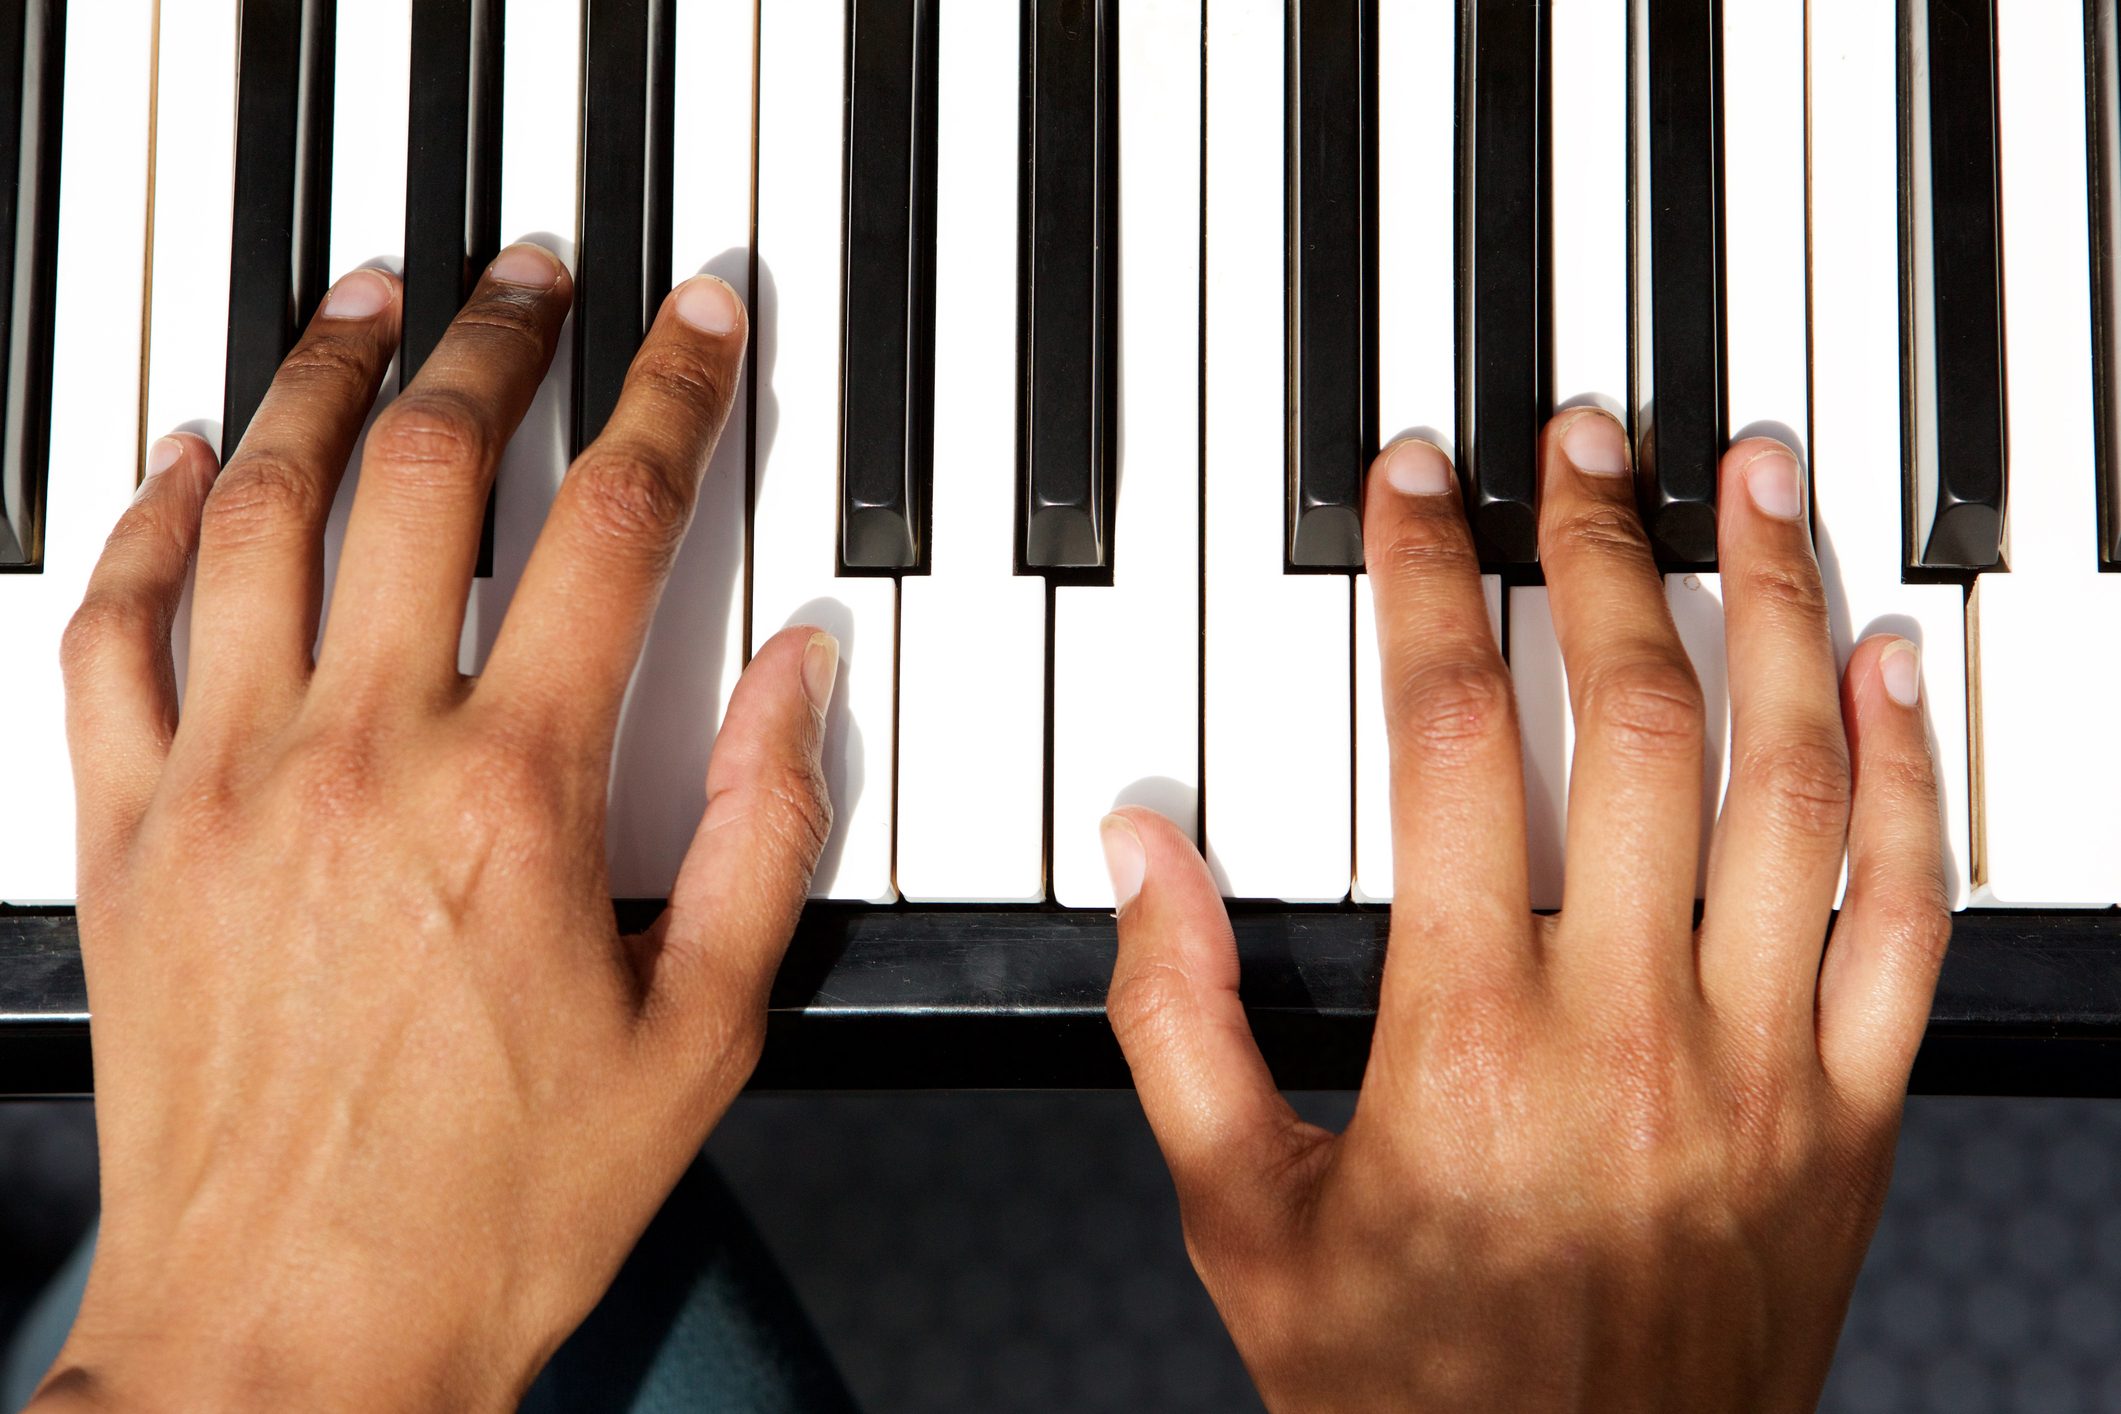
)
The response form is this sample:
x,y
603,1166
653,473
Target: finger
x,y
1233,1144
1780,841
1635,781
121,685
741,888
412,539
1458,832
261,547
1881,965
575,629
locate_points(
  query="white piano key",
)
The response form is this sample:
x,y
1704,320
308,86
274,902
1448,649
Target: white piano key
x,y
95,445
795,477
1126,690
695,648
1857,451
1279,760
1373,745
1765,364
1588,171
972,632
371,95
2042,633
195,184
1417,345
541,117
1589,323
1547,729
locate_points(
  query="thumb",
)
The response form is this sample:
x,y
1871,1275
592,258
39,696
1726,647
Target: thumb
x,y
1232,1143
713,953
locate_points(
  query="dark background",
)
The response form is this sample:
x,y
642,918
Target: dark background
x,y
998,1252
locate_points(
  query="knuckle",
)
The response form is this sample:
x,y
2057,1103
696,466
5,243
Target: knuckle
x,y
509,316
1141,1003
799,810
1601,531
1648,707
1788,589
1904,783
1457,707
261,494
428,436
679,375
103,622
334,775
324,362
1421,547
630,498
1914,920
1803,781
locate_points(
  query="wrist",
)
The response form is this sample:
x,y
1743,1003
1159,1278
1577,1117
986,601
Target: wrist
x,y
201,1353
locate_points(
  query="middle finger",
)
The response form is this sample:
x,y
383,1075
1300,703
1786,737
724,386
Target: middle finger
x,y
1635,782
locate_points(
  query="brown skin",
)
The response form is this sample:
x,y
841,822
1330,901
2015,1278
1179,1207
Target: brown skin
x,y
1605,1160
384,1097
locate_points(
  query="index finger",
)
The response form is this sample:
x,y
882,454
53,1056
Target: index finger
x,y
582,610
1458,832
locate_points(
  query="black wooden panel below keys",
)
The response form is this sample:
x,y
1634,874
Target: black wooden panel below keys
x,y
1065,508
1331,45
623,270
32,73
888,334
278,251
1684,437
1502,143
452,177
1957,505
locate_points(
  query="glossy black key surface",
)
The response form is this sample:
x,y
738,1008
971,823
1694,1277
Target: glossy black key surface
x,y
1959,520
278,250
888,332
1066,502
452,177
1331,45
1502,191
623,270
1685,435
32,70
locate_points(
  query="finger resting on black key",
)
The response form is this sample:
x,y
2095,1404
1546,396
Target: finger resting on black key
x,y
1635,779
581,612
413,537
1458,833
1776,861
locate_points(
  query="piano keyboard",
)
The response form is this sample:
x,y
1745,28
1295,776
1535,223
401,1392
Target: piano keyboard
x,y
1076,322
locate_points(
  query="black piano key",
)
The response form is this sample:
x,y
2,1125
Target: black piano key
x,y
1066,505
278,250
1330,44
888,333
624,267
1685,436
1503,378
452,177
32,74
1959,519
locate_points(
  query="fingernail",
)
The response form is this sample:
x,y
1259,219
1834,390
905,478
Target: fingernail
x,y
708,305
1125,860
1775,484
821,664
361,295
166,453
1595,445
531,266
1417,468
1900,669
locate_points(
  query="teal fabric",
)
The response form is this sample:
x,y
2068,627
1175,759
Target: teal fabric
x,y
700,1318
